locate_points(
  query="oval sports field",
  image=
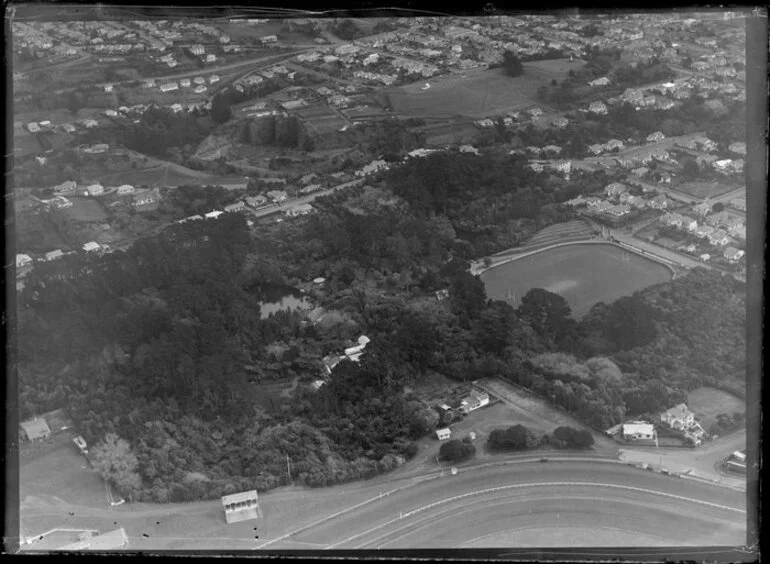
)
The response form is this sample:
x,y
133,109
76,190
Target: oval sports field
x,y
584,274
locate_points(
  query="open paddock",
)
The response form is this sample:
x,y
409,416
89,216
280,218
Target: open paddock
x,y
87,210
553,68
706,403
704,190
584,274
481,93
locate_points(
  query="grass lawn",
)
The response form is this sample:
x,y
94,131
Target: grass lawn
x,y
57,471
705,189
706,403
86,210
583,274
481,93
555,68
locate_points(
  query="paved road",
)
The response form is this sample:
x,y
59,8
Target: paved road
x,y
537,504
700,462
294,202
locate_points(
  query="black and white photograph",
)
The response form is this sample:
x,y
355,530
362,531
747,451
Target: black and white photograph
x,y
385,282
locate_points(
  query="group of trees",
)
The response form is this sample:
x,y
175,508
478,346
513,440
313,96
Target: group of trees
x,y
159,130
164,345
520,437
457,450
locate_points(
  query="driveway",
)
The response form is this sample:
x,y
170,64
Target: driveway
x,y
700,462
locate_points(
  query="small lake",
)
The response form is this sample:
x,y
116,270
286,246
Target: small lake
x,y
273,298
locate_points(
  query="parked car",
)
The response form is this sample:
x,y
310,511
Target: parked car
x,y
81,444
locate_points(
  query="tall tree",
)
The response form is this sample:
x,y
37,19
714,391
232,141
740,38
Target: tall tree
x,y
116,463
512,64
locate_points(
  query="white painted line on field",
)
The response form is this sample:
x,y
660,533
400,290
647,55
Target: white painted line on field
x,y
338,513
544,484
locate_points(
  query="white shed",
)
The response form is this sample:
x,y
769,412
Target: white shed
x,y
443,434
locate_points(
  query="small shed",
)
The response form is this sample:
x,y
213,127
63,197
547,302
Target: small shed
x,y
35,429
443,434
240,506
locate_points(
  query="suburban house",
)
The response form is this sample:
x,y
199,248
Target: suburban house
x,y
125,189
23,260
603,81
659,202
719,237
615,189
475,400
146,199
236,207
443,434
705,257
277,195
638,431
213,214
301,209
95,190
54,255
619,210
91,246
655,137
732,254
354,353
256,201
678,417
702,209
329,362
169,87
598,108
35,429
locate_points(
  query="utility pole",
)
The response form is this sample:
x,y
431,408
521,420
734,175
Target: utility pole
x,y
288,465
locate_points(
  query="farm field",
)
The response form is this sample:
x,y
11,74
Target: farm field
x,y
554,68
705,190
583,274
706,403
480,94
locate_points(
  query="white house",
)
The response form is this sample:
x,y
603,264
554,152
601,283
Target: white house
x,y
23,260
678,417
598,108
443,434
705,257
475,400
615,189
638,431
236,207
185,83
66,186
54,255
169,87
655,137
277,195
256,201
213,78
214,214
732,254
91,246
603,81
95,190
301,209
125,189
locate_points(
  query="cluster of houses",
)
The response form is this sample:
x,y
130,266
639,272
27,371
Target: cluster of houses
x,y
198,84
619,201
352,353
476,399
678,418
